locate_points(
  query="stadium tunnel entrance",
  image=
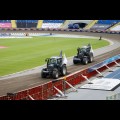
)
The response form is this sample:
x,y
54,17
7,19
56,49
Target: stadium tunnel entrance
x,y
77,25
81,25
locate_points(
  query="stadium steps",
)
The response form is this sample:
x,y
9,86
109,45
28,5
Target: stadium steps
x,y
13,22
91,24
40,22
113,26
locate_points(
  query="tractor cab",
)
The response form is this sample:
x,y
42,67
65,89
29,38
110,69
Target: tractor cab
x,y
84,49
56,66
54,61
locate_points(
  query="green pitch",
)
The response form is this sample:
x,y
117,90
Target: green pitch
x,y
26,53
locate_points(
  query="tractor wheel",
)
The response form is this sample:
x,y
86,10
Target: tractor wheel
x,y
91,58
55,73
42,74
85,61
75,61
64,70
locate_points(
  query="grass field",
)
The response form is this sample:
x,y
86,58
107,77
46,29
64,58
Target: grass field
x,y
26,53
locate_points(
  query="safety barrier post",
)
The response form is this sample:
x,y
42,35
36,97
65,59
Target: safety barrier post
x,y
59,91
72,86
86,78
101,75
110,70
64,84
118,65
30,97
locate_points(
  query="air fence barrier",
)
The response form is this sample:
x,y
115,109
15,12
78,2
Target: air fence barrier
x,y
50,89
62,29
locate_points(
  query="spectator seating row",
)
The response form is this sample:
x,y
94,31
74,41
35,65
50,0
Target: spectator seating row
x,y
104,24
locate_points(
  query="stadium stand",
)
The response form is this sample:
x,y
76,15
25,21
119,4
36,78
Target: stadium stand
x,y
104,24
52,23
107,21
78,24
5,24
87,25
5,21
31,23
26,23
90,24
116,27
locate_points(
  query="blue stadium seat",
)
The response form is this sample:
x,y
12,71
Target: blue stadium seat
x,y
5,21
26,23
104,24
53,21
107,21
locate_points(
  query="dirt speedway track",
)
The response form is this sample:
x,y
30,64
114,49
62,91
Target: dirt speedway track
x,y
23,82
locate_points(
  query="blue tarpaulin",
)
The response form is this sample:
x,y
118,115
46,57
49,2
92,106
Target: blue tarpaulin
x,y
103,63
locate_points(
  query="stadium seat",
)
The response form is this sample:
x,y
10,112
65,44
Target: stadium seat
x,y
26,23
104,24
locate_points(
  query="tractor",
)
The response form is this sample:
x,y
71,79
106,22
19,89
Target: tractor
x,y
84,55
56,66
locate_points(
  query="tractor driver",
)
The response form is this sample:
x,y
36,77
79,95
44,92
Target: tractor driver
x,y
59,61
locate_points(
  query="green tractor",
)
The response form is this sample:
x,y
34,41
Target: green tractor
x,y
85,55
56,66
